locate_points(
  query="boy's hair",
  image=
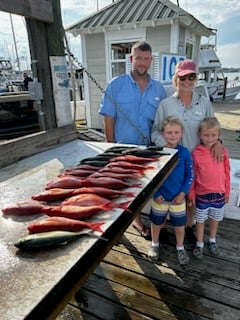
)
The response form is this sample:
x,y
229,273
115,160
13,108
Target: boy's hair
x,y
141,45
172,120
208,123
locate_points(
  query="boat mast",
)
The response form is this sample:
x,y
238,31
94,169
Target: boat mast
x,y
14,41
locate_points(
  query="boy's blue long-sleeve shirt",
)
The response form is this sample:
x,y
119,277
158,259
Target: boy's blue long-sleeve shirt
x,y
180,179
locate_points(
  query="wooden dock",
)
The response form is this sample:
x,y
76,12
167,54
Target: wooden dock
x,y
126,285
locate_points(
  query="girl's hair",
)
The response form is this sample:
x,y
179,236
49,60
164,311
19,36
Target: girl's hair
x,y
171,120
209,123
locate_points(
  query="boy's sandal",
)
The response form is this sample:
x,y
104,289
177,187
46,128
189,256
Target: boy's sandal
x,y
144,231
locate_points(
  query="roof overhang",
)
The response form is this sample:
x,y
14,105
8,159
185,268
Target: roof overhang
x,y
187,21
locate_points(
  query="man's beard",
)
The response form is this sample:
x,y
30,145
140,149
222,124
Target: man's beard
x,y
141,74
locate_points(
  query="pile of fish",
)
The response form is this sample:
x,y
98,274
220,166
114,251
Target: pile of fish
x,y
82,192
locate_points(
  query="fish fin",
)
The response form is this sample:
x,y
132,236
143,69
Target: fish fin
x,y
97,226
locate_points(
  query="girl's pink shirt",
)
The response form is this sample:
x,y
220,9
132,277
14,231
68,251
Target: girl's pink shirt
x,y
210,176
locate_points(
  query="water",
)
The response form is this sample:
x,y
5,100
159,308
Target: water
x,y
232,82
232,75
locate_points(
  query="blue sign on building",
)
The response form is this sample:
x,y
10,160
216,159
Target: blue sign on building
x,y
169,62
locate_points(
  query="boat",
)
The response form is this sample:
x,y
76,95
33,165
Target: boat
x,y
212,77
10,80
17,116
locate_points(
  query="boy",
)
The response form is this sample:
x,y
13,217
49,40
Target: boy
x,y
170,197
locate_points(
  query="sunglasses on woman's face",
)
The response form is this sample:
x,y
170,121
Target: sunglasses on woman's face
x,y
191,77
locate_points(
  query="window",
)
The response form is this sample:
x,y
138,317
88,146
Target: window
x,y
189,50
118,57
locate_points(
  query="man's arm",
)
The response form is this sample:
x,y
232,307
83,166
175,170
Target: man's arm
x,y
109,128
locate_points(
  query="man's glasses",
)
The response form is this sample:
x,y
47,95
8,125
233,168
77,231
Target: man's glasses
x,y
191,77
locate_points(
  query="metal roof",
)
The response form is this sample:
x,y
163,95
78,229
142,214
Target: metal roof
x,y
125,14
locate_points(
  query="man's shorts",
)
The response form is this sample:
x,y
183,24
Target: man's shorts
x,y
177,213
210,205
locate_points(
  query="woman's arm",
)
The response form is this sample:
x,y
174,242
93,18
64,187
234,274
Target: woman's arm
x,y
217,151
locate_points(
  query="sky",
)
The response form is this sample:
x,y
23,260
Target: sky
x,y
223,15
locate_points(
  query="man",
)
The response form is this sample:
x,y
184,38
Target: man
x,y
26,80
129,106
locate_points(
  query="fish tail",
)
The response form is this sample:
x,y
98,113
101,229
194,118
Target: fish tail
x,y
150,168
97,226
122,205
108,206
136,185
129,194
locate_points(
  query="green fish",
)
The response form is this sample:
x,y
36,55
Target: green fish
x,y
95,161
118,149
49,239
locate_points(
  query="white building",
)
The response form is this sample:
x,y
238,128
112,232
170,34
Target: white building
x,y
108,34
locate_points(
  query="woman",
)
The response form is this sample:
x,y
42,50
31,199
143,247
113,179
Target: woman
x,y
191,108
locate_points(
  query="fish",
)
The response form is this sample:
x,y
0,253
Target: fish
x,y
67,182
146,153
118,149
49,239
130,165
110,153
150,151
104,192
63,224
54,194
123,176
89,199
106,155
86,167
74,212
108,182
147,149
132,158
67,174
70,182
95,161
116,169
26,207
154,147
78,172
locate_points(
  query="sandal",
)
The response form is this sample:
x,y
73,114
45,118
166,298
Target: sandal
x,y
144,231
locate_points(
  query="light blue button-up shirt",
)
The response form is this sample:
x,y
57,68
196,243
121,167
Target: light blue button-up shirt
x,y
140,108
